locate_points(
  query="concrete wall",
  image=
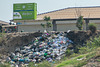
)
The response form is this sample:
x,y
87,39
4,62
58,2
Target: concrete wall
x,y
33,26
71,25
67,25
98,26
61,26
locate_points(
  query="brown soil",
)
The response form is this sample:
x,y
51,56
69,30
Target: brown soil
x,y
15,40
93,62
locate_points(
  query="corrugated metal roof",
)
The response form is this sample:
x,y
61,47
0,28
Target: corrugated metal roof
x,y
9,26
3,22
72,12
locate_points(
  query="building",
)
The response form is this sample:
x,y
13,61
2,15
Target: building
x,y
6,26
3,23
63,19
10,28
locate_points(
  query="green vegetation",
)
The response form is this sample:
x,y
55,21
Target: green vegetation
x,y
2,34
85,53
68,52
2,37
42,64
77,61
92,27
90,50
93,43
98,60
31,64
79,23
5,65
48,23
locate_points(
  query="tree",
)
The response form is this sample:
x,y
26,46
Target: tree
x,y
79,23
80,20
48,23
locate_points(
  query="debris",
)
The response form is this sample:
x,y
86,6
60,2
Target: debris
x,y
49,46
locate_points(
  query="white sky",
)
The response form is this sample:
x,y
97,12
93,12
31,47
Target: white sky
x,y
6,6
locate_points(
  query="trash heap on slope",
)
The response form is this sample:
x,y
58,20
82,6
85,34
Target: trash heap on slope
x,y
49,46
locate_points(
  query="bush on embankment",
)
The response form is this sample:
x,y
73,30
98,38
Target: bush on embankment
x,y
90,50
92,27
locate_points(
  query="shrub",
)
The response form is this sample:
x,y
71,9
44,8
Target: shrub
x,y
68,52
74,55
31,64
83,50
92,27
79,23
94,43
44,64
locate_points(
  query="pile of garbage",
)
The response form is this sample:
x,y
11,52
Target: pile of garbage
x,y
49,46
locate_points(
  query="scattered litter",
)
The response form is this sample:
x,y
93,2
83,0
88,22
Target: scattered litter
x,y
49,46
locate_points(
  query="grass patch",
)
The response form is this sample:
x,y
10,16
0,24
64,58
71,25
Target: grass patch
x,y
90,50
77,63
98,60
2,37
42,64
4,65
90,55
2,34
80,64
